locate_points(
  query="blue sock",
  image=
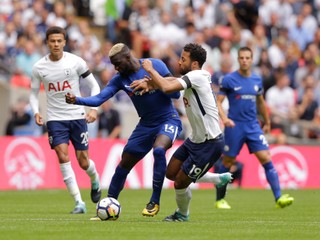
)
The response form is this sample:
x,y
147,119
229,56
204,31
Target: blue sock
x,y
117,182
273,179
221,191
159,172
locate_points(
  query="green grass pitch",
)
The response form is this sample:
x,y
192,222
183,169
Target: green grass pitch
x,y
44,214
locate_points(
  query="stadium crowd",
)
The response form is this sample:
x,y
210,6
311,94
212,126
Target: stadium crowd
x,y
283,34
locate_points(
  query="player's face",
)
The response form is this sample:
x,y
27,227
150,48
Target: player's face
x,y
245,60
56,43
122,64
184,63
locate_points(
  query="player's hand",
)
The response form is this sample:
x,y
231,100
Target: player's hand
x,y
147,65
266,128
142,85
38,119
70,98
229,123
92,116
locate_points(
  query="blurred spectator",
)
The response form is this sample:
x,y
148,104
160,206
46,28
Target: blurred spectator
x,y
123,31
141,22
273,27
21,122
276,52
208,15
177,13
306,110
225,50
6,64
265,70
259,42
58,16
109,121
281,101
34,12
300,33
165,38
309,68
216,79
292,62
27,58
114,10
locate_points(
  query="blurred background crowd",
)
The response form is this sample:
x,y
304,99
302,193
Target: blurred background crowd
x,y
283,34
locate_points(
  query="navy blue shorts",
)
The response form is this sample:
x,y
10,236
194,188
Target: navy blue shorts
x,y
142,138
198,158
75,131
244,132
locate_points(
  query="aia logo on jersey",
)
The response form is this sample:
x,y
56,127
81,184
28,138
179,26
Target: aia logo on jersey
x,y
24,163
59,86
291,166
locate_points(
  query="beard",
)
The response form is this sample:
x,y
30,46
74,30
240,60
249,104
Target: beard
x,y
184,71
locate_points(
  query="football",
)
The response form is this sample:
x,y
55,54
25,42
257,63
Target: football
x,y
108,209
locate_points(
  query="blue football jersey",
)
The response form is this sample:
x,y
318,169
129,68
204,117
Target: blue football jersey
x,y
153,107
241,92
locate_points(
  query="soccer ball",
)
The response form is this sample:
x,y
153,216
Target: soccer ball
x,y
108,209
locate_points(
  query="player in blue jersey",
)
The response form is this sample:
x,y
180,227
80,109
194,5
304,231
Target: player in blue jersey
x,y
192,160
157,129
243,89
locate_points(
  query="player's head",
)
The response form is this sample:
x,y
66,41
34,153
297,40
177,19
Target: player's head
x,y
245,57
55,30
121,58
192,57
56,40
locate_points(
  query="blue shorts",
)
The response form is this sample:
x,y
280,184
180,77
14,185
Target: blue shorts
x,y
142,138
198,158
244,132
63,131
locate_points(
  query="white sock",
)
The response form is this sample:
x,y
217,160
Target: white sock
x,y
92,171
70,180
210,177
183,198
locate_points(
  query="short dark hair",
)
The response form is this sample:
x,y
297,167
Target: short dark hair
x,y
245,49
197,53
56,30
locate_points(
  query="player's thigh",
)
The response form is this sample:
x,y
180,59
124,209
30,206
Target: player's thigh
x,y
140,141
234,140
256,141
202,157
79,135
58,133
168,132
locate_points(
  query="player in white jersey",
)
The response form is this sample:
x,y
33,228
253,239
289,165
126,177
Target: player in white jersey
x,y
203,148
60,73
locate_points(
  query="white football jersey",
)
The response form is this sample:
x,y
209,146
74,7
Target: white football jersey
x,y
59,78
201,106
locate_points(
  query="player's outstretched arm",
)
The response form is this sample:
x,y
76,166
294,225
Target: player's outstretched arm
x,y
162,83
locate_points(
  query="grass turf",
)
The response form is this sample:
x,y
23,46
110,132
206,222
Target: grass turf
x,y
44,214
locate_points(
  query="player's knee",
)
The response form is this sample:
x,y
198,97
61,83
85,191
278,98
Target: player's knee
x,y
159,153
170,176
